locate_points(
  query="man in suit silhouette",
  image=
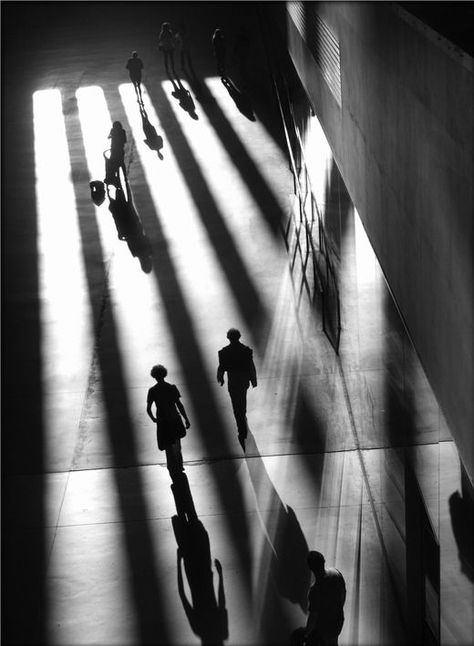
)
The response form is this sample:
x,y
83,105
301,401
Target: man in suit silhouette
x,y
236,359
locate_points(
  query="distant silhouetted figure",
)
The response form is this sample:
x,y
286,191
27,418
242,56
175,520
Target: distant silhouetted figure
x,y
118,139
241,54
218,45
135,66
326,599
237,360
182,43
166,44
169,417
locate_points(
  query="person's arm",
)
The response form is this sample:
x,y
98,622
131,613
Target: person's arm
x,y
220,587
312,621
180,407
188,609
149,402
253,371
310,625
220,372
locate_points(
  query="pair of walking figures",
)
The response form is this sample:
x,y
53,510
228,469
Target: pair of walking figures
x,y
165,408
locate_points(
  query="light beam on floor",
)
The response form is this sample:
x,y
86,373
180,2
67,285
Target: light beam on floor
x,y
66,335
265,156
260,251
196,263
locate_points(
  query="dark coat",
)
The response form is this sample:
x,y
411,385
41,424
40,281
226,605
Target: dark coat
x,y
237,360
169,424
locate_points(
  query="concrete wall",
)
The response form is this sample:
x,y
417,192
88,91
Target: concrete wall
x,y
403,140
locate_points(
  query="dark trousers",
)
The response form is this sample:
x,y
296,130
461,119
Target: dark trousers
x,y
238,397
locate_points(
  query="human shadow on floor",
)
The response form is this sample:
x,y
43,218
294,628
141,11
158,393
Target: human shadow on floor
x,y
127,221
286,544
200,89
153,140
207,615
241,99
182,95
462,520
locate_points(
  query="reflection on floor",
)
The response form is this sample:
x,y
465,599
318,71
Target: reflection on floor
x,y
337,446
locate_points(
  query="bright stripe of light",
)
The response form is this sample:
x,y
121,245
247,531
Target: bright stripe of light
x,y
66,339
260,145
254,243
195,264
142,332
195,260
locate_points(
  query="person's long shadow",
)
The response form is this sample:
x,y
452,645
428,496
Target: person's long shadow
x,y
153,140
207,615
181,94
200,90
128,223
241,99
184,98
286,547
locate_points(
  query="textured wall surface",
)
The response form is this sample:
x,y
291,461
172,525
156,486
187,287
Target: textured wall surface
x,y
402,138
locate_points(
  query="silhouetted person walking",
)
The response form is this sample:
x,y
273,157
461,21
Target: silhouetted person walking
x,y
182,43
169,417
118,139
237,360
166,44
218,45
326,599
135,66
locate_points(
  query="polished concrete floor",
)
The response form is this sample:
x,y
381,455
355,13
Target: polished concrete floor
x,y
91,547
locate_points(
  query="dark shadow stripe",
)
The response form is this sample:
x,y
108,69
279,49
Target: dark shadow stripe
x,y
24,604
198,381
235,270
262,194
147,596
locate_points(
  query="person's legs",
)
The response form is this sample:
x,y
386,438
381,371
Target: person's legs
x,y
238,398
174,458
